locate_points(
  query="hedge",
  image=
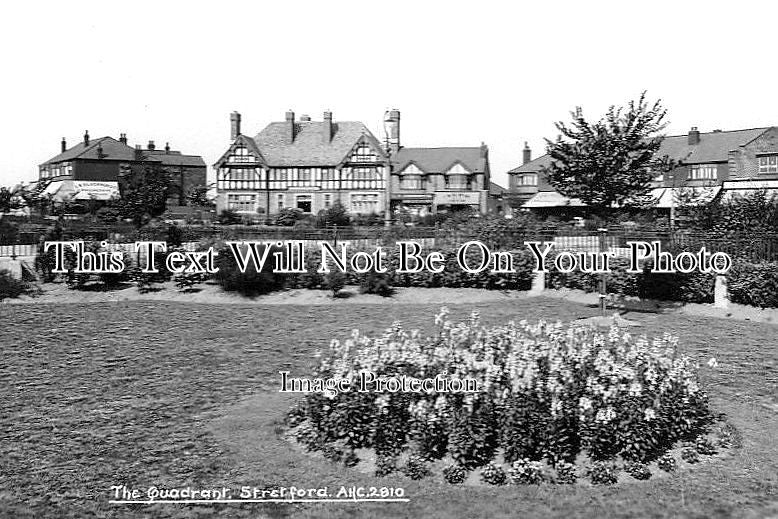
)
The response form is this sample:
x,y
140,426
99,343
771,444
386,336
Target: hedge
x,y
754,284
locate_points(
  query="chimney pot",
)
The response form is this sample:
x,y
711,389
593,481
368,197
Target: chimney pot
x,y
123,138
327,133
86,138
305,118
694,136
151,146
392,129
234,125
64,145
290,125
526,153
167,147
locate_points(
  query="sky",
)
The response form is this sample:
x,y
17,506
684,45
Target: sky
x,y
461,73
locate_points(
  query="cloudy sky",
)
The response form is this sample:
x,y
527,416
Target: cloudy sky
x,y
460,72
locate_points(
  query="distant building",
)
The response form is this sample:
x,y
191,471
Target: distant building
x,y
711,164
428,180
92,169
306,165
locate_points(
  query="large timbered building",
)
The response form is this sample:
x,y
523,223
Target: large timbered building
x,y
307,165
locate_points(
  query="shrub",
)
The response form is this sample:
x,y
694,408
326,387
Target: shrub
x,y
754,284
350,458
637,470
307,435
251,282
602,473
689,455
416,467
667,463
229,217
377,283
288,216
543,391
493,474
187,281
335,280
455,474
385,465
10,287
526,472
565,473
705,446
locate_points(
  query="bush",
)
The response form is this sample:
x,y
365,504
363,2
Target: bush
x,y
543,391
288,216
637,470
335,280
187,281
10,287
526,472
667,463
377,283
565,473
251,282
455,474
416,467
385,465
229,217
602,473
754,284
690,455
493,474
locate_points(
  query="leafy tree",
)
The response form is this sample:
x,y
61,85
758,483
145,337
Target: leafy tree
x,y
610,162
335,215
9,200
288,216
144,195
198,197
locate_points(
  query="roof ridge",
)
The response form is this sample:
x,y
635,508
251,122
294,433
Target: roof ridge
x,y
722,131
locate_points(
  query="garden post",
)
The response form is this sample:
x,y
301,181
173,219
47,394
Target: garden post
x,y
603,288
720,293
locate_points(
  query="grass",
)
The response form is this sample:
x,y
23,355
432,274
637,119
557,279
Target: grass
x,y
186,394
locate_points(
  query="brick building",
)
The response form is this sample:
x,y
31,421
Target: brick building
x,y
428,180
307,165
92,169
711,164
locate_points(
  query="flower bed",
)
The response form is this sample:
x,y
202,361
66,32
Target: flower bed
x,y
545,392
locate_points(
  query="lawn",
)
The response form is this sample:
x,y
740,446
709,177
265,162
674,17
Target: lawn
x,y
174,394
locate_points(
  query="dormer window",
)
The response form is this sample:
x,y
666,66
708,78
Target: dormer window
x,y
411,182
527,179
364,153
457,177
702,172
768,164
241,154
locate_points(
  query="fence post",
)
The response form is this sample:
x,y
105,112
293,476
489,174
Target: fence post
x,y
603,283
720,293
538,283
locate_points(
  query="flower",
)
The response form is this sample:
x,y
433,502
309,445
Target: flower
x,y
713,363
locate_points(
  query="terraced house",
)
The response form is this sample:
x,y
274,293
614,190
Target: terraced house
x,y
711,164
303,164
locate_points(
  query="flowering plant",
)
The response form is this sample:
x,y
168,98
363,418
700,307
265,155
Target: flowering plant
x,y
544,391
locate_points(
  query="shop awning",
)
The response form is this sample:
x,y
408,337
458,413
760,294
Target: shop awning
x,y
551,199
667,197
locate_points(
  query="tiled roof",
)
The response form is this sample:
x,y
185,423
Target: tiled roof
x,y
175,158
308,147
496,189
439,160
533,166
112,150
713,146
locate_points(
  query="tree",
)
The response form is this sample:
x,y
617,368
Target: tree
x,y
610,162
198,197
335,215
9,200
144,194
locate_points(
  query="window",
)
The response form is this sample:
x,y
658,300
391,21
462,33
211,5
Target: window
x,y
364,203
528,179
702,172
240,154
304,203
768,164
328,174
327,200
364,153
457,181
242,203
240,174
364,174
280,199
411,182
304,174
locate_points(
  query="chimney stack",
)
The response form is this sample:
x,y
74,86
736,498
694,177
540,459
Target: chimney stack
x,y
86,138
327,135
234,125
100,153
305,118
138,152
290,125
526,154
694,135
64,145
151,146
392,129
167,147
123,138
